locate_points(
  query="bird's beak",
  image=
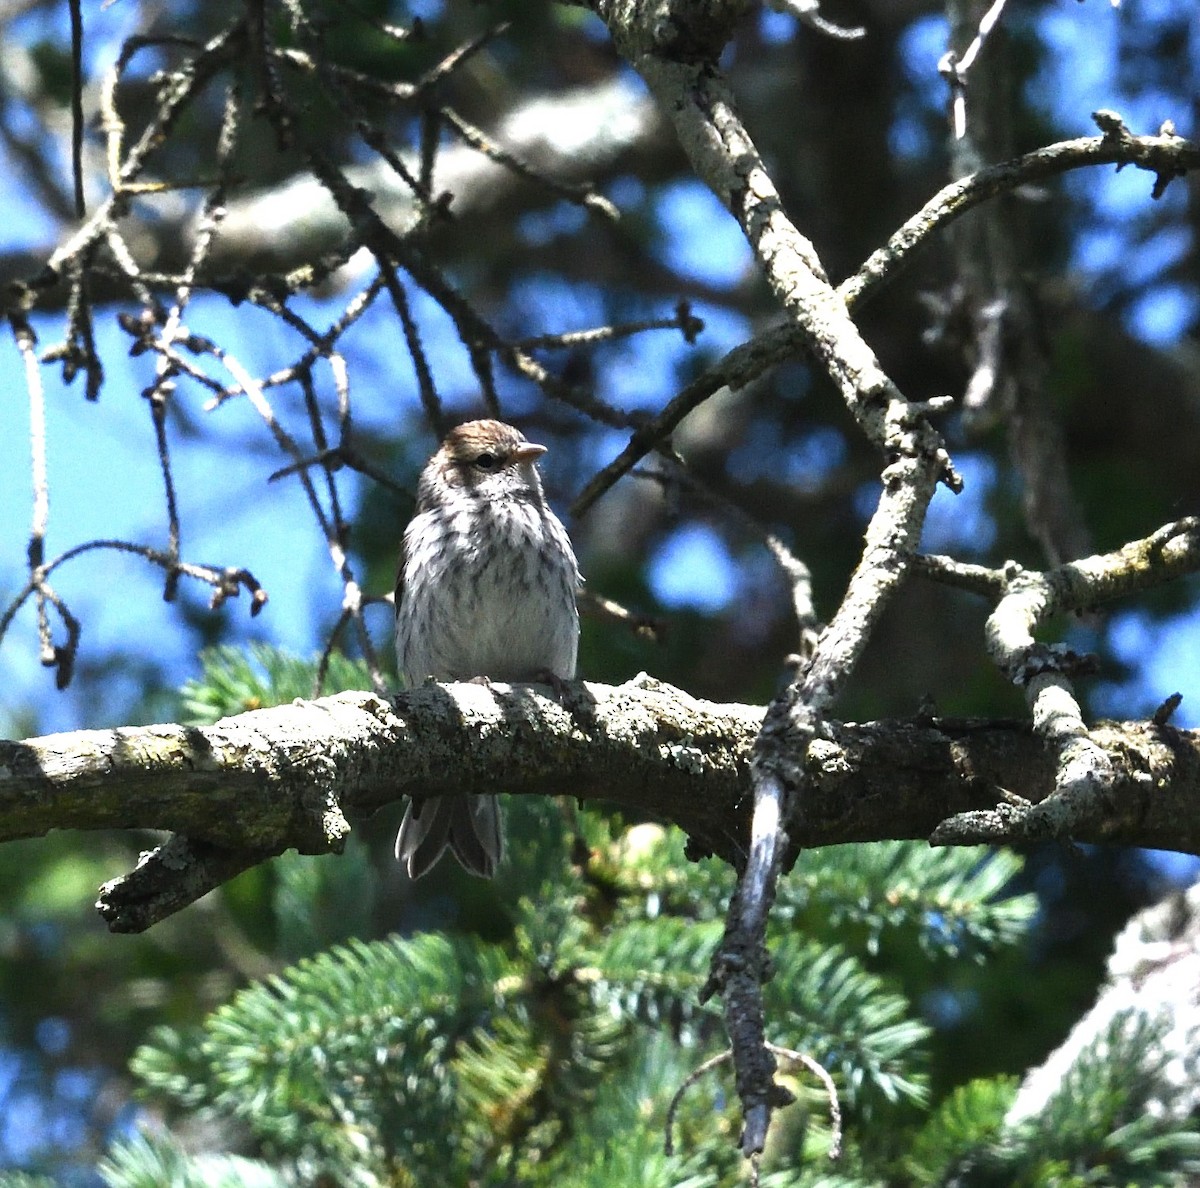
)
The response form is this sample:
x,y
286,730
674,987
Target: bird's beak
x,y
528,451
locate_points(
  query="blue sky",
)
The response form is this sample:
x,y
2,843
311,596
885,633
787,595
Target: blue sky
x,y
104,481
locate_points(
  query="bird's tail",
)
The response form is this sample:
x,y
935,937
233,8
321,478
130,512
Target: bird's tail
x,y
469,825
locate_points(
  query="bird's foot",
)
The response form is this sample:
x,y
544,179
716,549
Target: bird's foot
x,y
544,676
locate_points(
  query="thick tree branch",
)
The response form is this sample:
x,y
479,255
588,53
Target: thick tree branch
x,y
676,50
256,784
1164,155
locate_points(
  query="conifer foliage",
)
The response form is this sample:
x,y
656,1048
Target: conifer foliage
x,y
549,1051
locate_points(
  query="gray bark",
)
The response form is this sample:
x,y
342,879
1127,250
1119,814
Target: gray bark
x,y
251,786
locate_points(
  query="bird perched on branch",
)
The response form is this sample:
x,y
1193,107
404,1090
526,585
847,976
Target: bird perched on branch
x,y
486,589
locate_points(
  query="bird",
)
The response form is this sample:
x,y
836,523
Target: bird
x,y
486,590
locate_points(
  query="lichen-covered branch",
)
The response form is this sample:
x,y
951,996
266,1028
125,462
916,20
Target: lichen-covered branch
x,y
1164,155
251,786
1084,779
676,49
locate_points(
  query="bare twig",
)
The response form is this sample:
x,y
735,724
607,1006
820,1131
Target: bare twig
x,y
583,195
796,572
26,341
1003,347
226,583
979,579
643,626
808,12
323,344
822,1074
430,400
683,321
814,1066
59,657
690,87
677,1097
954,69
75,8
1164,156
160,392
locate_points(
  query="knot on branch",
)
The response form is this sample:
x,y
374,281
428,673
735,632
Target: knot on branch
x,y
229,583
1162,159
1040,658
1113,127
680,39
690,31
948,68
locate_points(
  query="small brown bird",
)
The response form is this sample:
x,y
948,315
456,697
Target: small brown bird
x,y
486,588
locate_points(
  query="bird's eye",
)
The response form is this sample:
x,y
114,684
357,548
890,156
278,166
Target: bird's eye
x,y
486,461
